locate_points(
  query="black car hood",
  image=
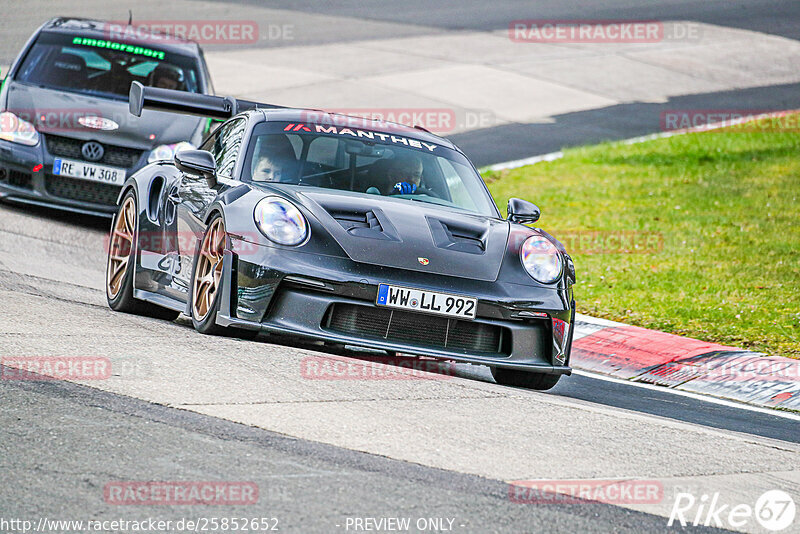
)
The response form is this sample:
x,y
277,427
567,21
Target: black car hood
x,y
62,109
411,235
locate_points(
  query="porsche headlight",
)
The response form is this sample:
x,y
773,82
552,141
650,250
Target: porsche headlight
x,y
281,221
17,130
541,259
167,152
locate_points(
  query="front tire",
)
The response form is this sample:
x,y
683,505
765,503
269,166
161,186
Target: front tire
x,y
121,265
207,278
208,283
524,379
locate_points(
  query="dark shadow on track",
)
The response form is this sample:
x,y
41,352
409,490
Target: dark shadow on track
x,y
777,17
593,390
687,409
517,141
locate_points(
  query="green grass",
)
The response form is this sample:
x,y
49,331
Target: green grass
x,y
726,204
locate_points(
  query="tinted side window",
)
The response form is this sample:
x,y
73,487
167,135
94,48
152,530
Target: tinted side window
x,y
208,144
225,145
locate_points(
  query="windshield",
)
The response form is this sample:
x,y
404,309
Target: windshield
x,y
386,165
104,68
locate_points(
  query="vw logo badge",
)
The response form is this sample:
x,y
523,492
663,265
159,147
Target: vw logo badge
x,y
93,151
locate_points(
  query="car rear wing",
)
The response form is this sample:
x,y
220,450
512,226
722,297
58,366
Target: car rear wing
x,y
216,107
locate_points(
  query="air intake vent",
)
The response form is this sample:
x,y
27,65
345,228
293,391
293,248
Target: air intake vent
x,y
17,178
361,223
430,331
458,236
356,219
83,190
463,240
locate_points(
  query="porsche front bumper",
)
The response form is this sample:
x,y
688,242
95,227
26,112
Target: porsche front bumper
x,y
333,299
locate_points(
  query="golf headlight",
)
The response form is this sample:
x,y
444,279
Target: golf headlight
x,y
167,152
281,221
541,259
16,130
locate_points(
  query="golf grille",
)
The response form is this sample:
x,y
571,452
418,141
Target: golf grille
x,y
116,156
417,329
82,190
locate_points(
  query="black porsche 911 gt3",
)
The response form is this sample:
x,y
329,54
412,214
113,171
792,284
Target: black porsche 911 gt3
x,y
66,138
349,231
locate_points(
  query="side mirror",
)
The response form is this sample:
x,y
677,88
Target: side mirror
x,y
198,162
522,211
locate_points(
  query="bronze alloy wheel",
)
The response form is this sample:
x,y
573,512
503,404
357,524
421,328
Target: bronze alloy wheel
x,y
120,247
209,270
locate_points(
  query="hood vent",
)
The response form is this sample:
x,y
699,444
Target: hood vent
x,y
403,231
361,223
459,236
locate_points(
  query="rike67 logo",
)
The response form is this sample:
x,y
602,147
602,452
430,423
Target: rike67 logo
x,y
774,510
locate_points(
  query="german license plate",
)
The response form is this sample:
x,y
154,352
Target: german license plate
x,y
420,300
88,171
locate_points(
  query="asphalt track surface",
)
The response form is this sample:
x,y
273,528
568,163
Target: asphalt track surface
x,y
331,22
775,17
75,438
61,442
490,145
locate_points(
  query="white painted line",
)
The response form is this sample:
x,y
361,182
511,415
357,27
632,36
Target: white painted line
x,y
641,139
596,321
695,396
526,161
603,323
